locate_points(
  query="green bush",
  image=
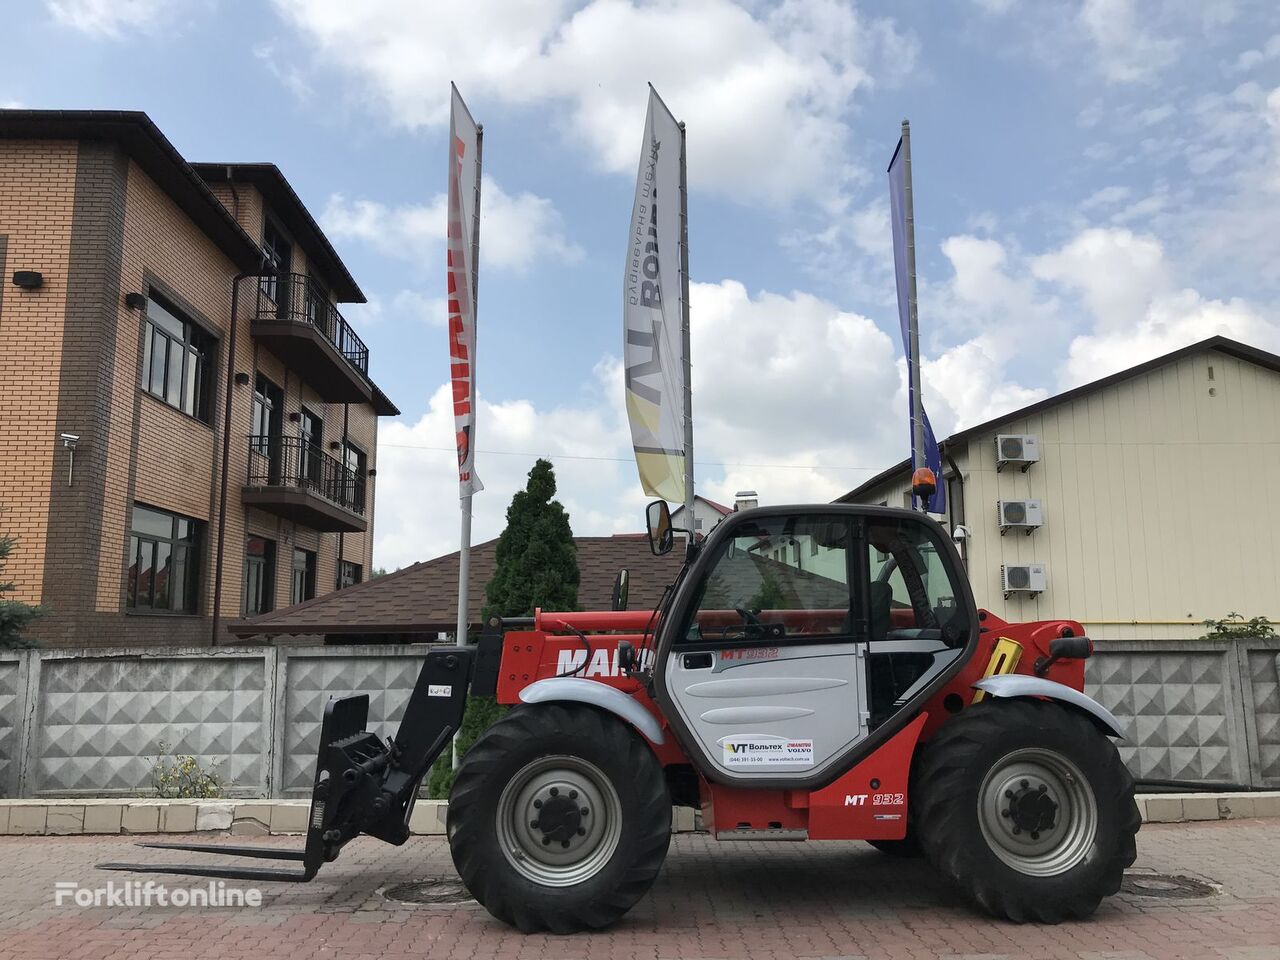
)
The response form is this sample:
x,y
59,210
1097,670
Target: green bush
x,y
180,777
15,616
1235,625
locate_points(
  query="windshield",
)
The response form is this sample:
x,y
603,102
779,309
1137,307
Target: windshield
x,y
777,576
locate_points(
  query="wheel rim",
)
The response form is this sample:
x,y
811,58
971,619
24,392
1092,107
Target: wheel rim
x,y
1037,812
543,829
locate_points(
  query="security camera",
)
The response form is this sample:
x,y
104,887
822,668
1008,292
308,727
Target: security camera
x,y
70,439
960,534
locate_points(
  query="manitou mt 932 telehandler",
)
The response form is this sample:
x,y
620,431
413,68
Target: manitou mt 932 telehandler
x,y
815,672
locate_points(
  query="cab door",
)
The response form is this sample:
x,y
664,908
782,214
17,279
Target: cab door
x,y
766,672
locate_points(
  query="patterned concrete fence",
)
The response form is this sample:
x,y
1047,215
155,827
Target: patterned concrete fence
x,y
78,723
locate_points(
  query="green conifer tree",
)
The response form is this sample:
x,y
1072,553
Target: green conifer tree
x,y
15,615
536,566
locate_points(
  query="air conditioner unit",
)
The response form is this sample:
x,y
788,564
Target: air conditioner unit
x,y
1023,578
1020,448
1021,514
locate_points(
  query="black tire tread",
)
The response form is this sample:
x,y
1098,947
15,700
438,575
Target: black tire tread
x,y
943,818
481,778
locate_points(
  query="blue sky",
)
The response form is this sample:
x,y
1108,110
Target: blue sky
x,y
1097,182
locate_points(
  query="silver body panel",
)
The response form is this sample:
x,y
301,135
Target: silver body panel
x,y
791,710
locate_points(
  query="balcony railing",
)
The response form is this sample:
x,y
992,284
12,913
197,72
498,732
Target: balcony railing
x,y
296,298
293,463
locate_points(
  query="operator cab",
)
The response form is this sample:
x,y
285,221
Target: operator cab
x,y
799,635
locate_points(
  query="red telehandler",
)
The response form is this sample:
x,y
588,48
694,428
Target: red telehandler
x,y
815,672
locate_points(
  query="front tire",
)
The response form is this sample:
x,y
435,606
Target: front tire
x,y
1027,807
559,818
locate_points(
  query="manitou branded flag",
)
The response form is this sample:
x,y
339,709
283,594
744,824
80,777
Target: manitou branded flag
x,y
652,311
464,173
903,233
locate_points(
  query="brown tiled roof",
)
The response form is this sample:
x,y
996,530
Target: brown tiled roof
x,y
423,598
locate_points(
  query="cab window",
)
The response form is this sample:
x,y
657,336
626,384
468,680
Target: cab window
x,y
778,578
913,592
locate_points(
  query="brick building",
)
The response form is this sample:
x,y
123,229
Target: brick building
x,y
131,407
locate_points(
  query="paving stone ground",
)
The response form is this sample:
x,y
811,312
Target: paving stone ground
x,y
756,900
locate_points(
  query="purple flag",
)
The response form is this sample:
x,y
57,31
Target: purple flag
x,y
932,457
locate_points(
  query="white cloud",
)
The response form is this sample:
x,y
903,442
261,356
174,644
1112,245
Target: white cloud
x,y
517,229
765,93
1133,309
1251,59
1169,321
293,78
112,18
417,494
1128,51
972,380
799,399
1116,271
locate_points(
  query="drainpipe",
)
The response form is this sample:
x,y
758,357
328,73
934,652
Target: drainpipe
x,y
346,413
235,197
226,455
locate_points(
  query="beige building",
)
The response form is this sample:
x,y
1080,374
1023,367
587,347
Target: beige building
x,y
1141,504
170,340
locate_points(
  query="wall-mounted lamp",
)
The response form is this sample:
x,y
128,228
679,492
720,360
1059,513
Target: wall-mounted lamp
x,y
334,445
135,301
373,473
28,279
242,379
69,440
295,417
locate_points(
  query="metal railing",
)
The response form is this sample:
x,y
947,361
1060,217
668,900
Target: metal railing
x,y
295,463
297,298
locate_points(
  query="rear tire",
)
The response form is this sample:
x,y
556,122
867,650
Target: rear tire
x,y
520,840
1027,807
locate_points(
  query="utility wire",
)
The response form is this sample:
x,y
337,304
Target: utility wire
x,y
570,456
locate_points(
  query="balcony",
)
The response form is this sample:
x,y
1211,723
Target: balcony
x,y
296,480
296,321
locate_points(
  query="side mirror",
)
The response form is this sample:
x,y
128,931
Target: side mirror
x,y
661,535
620,585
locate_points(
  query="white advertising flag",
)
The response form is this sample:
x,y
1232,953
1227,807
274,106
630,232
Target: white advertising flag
x,y
652,311
464,177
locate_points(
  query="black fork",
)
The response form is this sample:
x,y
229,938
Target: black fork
x,y
362,784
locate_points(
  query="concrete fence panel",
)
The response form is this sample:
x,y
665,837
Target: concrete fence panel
x,y
1180,703
13,703
76,723
311,676
1260,668
103,718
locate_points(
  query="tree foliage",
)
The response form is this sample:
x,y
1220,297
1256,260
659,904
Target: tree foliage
x,y
537,561
15,616
536,566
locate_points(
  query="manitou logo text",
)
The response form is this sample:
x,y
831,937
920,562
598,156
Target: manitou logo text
x,y
604,663
855,800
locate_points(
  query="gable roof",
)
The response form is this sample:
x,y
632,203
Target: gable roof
x,y
142,140
294,216
720,508
423,598
1225,345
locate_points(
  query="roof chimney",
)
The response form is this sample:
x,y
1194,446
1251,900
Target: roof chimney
x,y
745,500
